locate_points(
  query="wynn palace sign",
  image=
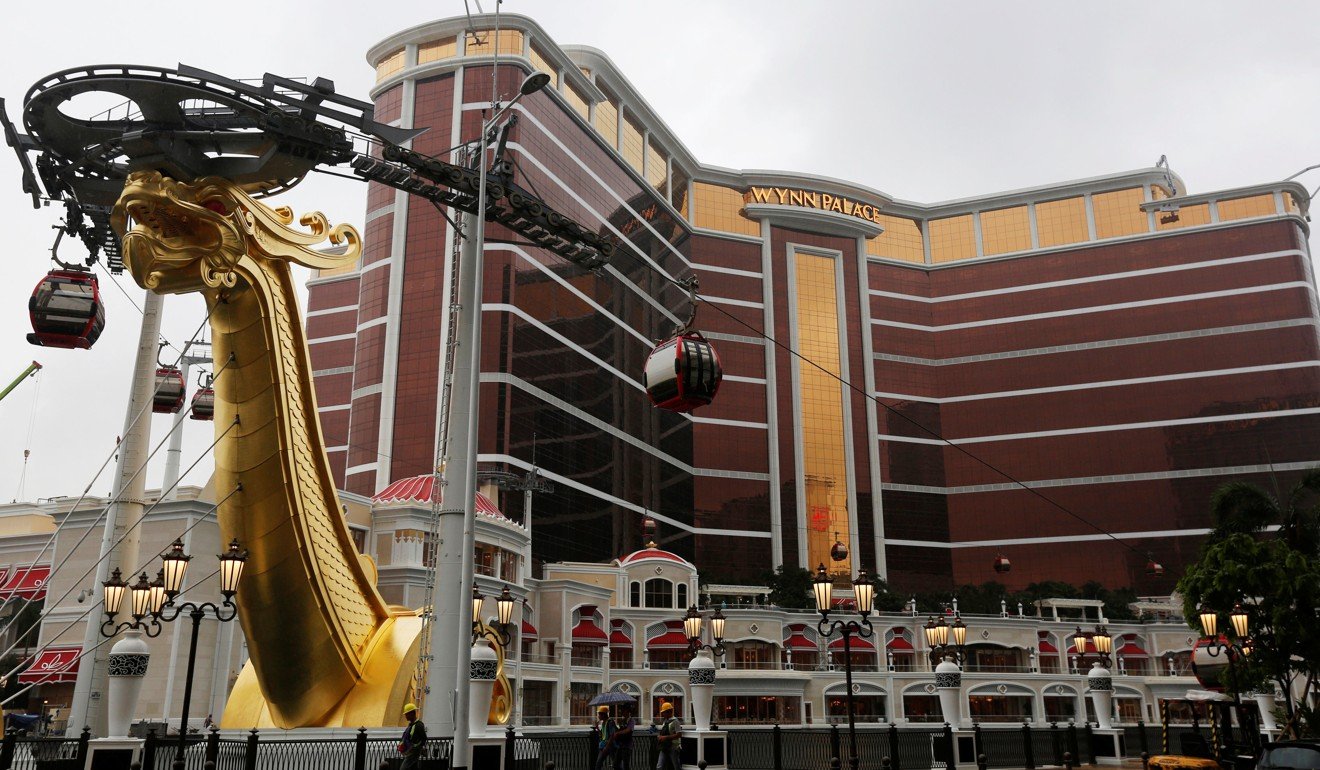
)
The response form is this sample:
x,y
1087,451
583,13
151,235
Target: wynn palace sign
x,y
785,196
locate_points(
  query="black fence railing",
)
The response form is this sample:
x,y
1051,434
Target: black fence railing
x,y
910,747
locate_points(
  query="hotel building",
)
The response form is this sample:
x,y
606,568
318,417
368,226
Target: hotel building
x,y
1119,345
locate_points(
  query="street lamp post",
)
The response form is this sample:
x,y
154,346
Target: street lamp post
x,y
944,637
1234,650
1099,680
864,593
701,669
175,568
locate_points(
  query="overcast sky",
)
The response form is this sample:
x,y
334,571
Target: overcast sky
x,y
923,101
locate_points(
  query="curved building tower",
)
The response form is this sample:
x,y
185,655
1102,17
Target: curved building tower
x,y
1116,344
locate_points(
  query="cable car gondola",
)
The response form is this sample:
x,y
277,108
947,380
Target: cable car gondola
x,y
683,372
203,404
66,310
170,390
1002,564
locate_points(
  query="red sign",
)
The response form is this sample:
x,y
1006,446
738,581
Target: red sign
x,y
819,516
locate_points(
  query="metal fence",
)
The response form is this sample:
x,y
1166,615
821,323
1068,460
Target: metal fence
x,y
910,747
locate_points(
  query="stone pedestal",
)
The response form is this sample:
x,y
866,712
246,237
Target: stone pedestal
x,y
487,751
964,750
1100,686
948,682
113,753
1108,745
710,746
128,666
701,684
481,675
1265,703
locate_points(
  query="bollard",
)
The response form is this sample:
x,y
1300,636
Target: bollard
x,y
549,766
360,749
250,755
510,737
981,761
835,764
885,763
1145,760
701,764
778,748
7,750
208,765
1027,749
1067,760
1145,740
82,746
893,746
835,749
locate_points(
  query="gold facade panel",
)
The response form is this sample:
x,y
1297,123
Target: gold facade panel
x,y
633,147
444,48
482,42
1290,204
1005,230
1118,213
1061,222
389,65
657,167
542,64
1186,216
952,239
720,208
1243,208
824,456
576,100
678,192
607,122
900,240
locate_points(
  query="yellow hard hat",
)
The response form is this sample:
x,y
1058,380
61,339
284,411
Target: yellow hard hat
x,y
603,709
666,707
409,707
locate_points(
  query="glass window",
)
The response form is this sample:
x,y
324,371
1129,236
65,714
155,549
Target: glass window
x,y
682,600
635,594
579,699
1185,216
866,708
576,100
632,147
1000,708
657,172
621,657
952,239
756,709
720,208
542,64
1060,708
922,708
900,240
607,121
678,192
659,593
823,451
1005,230
659,700
389,65
1241,208
1061,222
444,48
1119,213
482,42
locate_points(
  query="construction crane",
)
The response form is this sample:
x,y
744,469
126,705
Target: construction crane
x,y
32,369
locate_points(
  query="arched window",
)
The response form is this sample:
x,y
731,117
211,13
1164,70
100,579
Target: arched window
x,y
659,593
635,594
682,596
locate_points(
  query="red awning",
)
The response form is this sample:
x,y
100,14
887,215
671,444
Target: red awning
x,y
1132,650
587,632
25,583
1046,646
799,642
619,639
899,643
857,644
53,665
669,640
528,631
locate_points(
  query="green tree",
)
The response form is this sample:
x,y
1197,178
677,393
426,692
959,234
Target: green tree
x,y
1276,578
790,587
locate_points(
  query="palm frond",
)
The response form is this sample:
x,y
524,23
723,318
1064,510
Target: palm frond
x,y
1240,507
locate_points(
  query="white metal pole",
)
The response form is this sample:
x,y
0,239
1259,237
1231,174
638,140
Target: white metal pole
x,y
167,485
130,490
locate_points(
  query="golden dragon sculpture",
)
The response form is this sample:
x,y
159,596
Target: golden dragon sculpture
x,y
326,650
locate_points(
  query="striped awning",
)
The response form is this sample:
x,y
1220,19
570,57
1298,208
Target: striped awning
x,y
24,582
857,643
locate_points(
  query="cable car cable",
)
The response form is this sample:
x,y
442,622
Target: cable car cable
x,y
51,540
